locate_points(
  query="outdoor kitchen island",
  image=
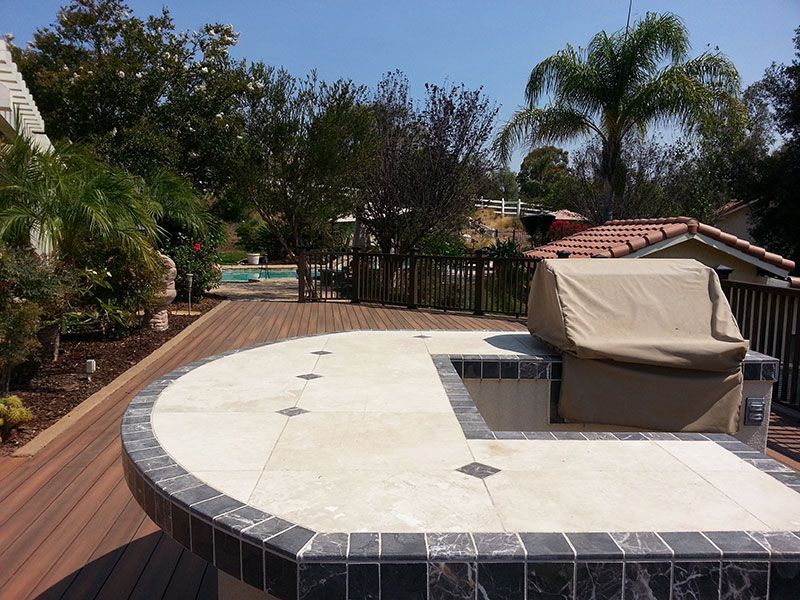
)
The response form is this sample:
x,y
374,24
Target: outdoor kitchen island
x,y
357,465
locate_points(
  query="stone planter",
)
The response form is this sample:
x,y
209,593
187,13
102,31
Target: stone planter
x,y
253,258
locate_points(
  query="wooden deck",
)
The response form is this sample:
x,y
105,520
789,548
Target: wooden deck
x,y
69,528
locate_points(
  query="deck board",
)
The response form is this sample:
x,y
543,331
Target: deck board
x,y
69,527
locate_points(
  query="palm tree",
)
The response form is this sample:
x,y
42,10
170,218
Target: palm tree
x,y
68,197
618,87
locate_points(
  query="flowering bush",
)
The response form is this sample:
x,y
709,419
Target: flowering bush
x,y
199,258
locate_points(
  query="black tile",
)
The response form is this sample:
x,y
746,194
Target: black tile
x,y
407,581
499,547
538,435
509,435
737,544
253,565
194,495
642,545
169,472
292,411
491,369
751,370
163,517
599,435
647,580
451,581
202,542
629,435
598,581
555,396
364,547
151,452
497,581
178,484
690,545
458,365
695,580
546,546
281,576
149,503
403,546
215,507
509,369
326,547
552,580
781,544
180,527
472,369
450,547
769,371
784,580
744,580
479,470
555,370
227,555
363,582
323,581
267,529
241,518
594,546
290,542
568,435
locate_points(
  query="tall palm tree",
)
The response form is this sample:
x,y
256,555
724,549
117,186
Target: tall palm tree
x,y
619,86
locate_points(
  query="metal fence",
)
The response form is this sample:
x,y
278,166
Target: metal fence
x,y
769,317
474,284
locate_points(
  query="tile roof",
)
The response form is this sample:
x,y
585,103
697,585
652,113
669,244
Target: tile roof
x,y
614,239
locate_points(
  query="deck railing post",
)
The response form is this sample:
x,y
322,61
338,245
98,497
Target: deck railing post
x,y
355,265
301,275
480,263
412,278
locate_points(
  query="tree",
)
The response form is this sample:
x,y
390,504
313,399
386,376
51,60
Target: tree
x,y
307,142
500,183
540,170
429,162
616,89
776,214
144,95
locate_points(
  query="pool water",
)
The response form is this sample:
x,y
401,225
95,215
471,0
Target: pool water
x,y
245,275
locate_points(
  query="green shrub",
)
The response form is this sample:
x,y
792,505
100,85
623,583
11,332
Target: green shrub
x,y
232,257
256,236
198,256
13,413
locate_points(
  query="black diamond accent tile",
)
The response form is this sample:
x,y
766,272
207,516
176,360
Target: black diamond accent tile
x,y
292,411
309,376
478,470
422,336
320,353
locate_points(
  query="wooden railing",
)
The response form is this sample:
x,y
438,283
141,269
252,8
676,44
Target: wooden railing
x,y
770,318
475,284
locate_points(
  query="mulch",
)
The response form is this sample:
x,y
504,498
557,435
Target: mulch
x,y
57,387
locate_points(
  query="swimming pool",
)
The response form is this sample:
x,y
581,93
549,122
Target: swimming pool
x,y
245,275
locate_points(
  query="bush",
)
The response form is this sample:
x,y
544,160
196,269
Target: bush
x,y
13,413
256,236
197,256
33,293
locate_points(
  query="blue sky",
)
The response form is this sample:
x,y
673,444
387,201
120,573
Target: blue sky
x,y
480,43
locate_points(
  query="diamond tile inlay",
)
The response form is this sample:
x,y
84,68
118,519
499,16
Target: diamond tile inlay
x,y
308,376
321,352
478,470
422,336
292,411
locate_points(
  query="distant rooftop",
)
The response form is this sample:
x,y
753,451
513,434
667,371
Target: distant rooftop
x,y
615,239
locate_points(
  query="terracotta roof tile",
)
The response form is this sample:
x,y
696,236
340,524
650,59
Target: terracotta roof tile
x,y
619,238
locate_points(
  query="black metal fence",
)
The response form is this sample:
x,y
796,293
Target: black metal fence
x,y
475,284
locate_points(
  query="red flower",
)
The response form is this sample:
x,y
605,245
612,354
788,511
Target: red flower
x,y
197,247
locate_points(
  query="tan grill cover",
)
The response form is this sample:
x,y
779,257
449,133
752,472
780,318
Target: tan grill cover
x,y
648,343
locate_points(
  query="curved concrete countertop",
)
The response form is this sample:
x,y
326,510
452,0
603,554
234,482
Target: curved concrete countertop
x,y
338,465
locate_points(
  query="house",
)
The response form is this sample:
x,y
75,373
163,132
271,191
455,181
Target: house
x,y
18,112
734,217
674,237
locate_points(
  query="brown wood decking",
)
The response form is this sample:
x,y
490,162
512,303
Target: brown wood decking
x,y
69,528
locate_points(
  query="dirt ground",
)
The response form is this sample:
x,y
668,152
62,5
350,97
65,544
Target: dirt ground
x,y
59,386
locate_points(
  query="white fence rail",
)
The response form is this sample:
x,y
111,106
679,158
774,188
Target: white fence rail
x,y
506,208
